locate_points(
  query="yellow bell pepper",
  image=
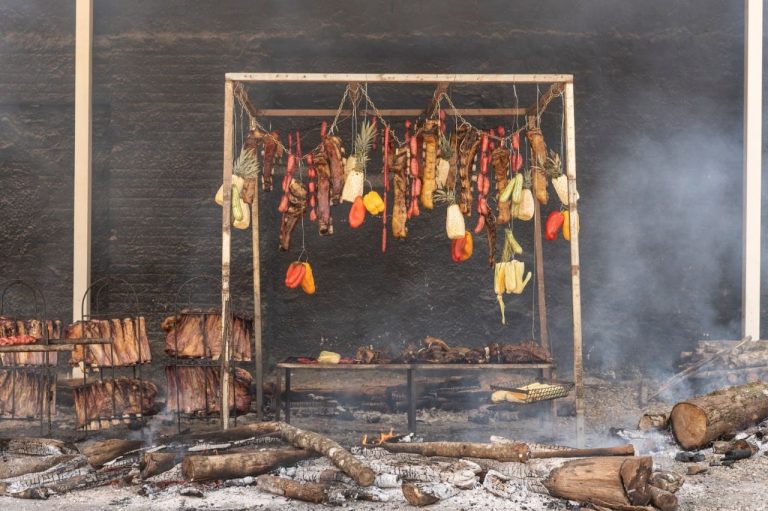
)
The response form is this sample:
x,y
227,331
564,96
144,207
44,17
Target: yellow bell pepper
x,y
373,202
328,357
308,282
567,225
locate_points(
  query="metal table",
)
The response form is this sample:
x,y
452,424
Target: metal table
x,y
409,369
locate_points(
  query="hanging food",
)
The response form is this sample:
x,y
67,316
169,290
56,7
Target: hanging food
x,y
454,222
525,210
312,175
413,209
373,202
463,248
520,282
539,159
355,165
553,224
457,249
247,165
297,204
237,182
567,225
308,280
511,246
245,219
325,222
468,143
295,274
452,152
334,155
430,136
499,288
357,213
273,149
560,184
500,161
397,164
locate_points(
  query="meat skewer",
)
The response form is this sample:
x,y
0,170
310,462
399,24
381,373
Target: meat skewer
x,y
297,203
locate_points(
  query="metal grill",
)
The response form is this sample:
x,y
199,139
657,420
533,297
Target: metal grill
x,y
553,390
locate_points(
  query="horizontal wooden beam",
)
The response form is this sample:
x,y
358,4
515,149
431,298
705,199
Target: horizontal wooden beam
x,y
390,112
398,78
403,367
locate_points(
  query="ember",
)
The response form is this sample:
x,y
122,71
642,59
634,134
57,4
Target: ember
x,y
383,437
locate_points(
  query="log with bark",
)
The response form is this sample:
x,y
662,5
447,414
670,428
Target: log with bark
x,y
28,446
297,204
653,420
121,397
503,452
198,390
155,463
241,464
316,493
197,334
99,453
698,421
425,494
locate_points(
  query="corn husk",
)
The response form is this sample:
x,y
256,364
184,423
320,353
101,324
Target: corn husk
x,y
510,277
443,168
524,210
499,288
354,186
519,269
328,357
454,222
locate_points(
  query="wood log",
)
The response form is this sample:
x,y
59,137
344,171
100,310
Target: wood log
x,y
653,420
243,464
308,492
155,463
27,446
604,481
233,434
663,500
339,456
619,450
98,453
20,465
502,452
698,421
416,496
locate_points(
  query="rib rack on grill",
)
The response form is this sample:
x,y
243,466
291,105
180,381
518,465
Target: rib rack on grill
x,y
198,335
130,344
131,397
18,332
199,389
22,393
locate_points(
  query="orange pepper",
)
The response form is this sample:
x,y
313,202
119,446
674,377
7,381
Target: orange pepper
x,y
294,275
357,213
468,246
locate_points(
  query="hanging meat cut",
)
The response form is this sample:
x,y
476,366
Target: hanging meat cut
x,y
398,162
29,331
130,344
114,399
468,142
297,203
198,335
23,393
198,390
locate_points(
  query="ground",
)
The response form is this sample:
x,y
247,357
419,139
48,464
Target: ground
x,y
610,404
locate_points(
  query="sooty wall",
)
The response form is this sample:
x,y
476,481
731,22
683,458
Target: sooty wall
x,y
658,117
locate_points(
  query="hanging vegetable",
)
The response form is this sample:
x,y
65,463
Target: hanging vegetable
x,y
444,163
357,213
461,249
499,288
511,246
373,202
520,282
560,184
295,274
430,136
567,225
355,164
247,165
553,224
524,211
454,222
308,281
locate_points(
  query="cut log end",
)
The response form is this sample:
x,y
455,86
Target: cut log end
x,y
417,497
689,425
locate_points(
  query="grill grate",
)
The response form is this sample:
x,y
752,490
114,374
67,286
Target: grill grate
x,y
553,390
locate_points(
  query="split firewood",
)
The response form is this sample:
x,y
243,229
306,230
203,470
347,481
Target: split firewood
x,y
155,463
700,420
415,496
241,464
653,420
503,452
663,500
316,493
667,480
99,453
461,473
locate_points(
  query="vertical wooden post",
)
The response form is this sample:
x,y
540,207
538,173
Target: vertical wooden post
x,y
81,259
753,119
538,250
257,351
226,212
570,167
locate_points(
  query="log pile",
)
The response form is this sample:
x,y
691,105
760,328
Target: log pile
x,y
737,359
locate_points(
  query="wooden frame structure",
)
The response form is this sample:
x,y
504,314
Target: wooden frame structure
x,y
560,84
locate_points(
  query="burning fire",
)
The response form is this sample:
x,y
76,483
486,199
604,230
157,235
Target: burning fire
x,y
383,437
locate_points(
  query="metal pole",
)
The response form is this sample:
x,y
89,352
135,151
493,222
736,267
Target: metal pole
x,y
753,118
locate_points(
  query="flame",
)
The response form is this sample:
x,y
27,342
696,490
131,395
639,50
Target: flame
x,y
383,437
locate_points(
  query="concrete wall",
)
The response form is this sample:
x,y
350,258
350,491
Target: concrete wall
x,y
658,113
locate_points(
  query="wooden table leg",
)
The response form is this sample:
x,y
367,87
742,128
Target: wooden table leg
x,y
411,402
288,396
278,391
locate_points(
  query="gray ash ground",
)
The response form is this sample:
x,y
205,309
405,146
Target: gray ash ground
x,y
611,405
